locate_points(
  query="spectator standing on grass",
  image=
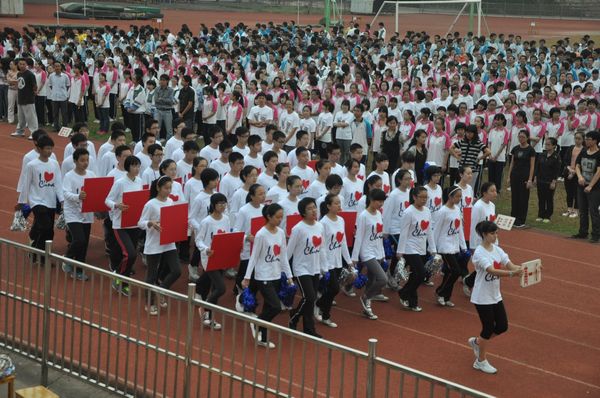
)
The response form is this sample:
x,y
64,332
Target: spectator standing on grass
x,y
11,78
570,175
27,90
588,191
546,175
520,178
187,96
59,84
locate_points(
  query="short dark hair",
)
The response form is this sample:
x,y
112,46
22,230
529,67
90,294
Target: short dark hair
x,y
120,149
79,152
45,141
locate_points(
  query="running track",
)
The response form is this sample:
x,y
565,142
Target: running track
x,y
552,348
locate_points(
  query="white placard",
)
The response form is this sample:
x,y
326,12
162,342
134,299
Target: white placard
x,y
532,273
65,132
505,222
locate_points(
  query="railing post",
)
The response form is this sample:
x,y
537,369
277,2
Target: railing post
x,y
46,313
371,368
188,340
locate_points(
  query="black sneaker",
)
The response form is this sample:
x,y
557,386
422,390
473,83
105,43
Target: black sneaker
x,y
594,240
579,236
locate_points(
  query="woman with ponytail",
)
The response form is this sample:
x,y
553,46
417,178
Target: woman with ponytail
x,y
158,257
212,282
248,175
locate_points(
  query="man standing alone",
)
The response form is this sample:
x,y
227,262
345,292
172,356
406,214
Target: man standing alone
x,y
27,90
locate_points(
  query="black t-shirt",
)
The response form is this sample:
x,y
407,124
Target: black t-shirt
x,y
186,95
522,159
26,83
589,165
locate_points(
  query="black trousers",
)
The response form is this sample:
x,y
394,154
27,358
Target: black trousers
x,y
495,170
408,292
40,109
211,286
158,262
545,200
137,126
60,109
308,285
333,288
445,288
49,111
123,257
571,190
43,226
588,209
493,319
77,112
519,198
80,238
272,306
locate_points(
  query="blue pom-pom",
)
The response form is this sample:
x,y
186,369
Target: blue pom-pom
x,y
248,300
360,281
387,247
286,293
26,210
324,282
385,265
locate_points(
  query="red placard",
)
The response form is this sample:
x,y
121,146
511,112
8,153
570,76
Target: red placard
x,y
256,224
179,180
136,201
290,221
97,189
173,223
467,222
226,251
312,164
350,224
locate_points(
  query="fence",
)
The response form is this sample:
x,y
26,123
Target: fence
x,y
90,332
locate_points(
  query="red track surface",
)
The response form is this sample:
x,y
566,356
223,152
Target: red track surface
x,y
437,24
552,348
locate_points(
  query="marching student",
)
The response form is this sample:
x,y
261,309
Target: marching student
x,y
491,264
211,151
433,175
265,265
152,172
254,157
333,184
279,191
31,155
198,210
159,258
317,188
247,177
78,224
380,165
78,140
184,166
108,160
146,140
302,140
290,202
483,210
373,182
216,223
168,167
414,240
83,129
368,248
194,185
352,187
268,177
302,170
449,239
176,141
188,135
231,181
243,223
335,248
222,163
306,255
41,188
122,258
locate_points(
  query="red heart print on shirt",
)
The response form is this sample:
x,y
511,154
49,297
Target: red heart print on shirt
x,y
497,265
305,183
386,188
189,176
221,231
339,236
276,250
316,240
437,201
174,197
457,223
468,200
48,176
360,177
492,217
357,195
424,224
379,228
406,204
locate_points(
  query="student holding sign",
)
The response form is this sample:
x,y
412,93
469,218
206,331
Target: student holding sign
x,y
78,224
123,257
158,257
491,263
216,223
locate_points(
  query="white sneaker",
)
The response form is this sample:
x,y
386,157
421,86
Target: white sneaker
x,y
369,314
152,310
365,302
466,290
474,346
238,306
317,313
253,330
428,283
416,309
163,302
96,121
566,213
380,297
574,215
332,324
484,366
449,304
193,273
350,292
334,303
405,304
539,219
266,344
17,134
231,273
546,220
209,323
440,300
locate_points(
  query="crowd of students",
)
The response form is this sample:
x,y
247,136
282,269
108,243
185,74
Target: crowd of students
x,y
427,115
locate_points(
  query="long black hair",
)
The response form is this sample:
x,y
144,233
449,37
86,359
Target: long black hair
x,y
157,184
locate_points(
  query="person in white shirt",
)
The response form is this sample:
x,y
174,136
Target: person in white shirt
x,y
352,187
278,142
317,188
308,124
302,140
343,133
213,281
290,202
136,107
267,262
78,224
414,240
335,247
491,264
324,128
159,257
231,181
176,141
108,161
122,258
194,185
143,156
222,163
368,249
279,191
267,177
152,172
254,157
83,129
260,115
78,140
184,166
247,178
241,140
211,152
41,188
302,170
289,123
449,239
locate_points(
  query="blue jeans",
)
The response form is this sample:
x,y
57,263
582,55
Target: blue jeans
x,y
166,117
104,120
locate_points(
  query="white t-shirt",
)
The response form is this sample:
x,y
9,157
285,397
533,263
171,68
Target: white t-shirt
x,y
415,232
393,210
487,286
209,227
269,256
448,232
481,211
151,212
305,246
351,193
209,153
307,175
368,241
344,133
173,144
325,120
335,244
287,123
72,185
260,114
